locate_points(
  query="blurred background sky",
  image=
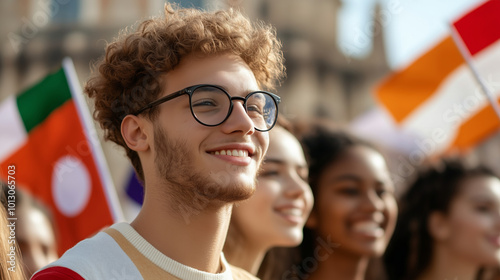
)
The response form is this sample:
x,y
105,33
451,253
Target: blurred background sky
x,y
414,28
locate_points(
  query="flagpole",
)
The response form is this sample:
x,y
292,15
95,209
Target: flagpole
x,y
466,55
91,135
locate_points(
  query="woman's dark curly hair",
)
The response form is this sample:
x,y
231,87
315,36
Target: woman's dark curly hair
x,y
129,76
411,247
323,147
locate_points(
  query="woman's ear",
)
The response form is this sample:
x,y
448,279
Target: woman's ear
x,y
312,221
134,133
438,226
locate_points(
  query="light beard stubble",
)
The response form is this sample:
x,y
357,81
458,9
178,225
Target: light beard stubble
x,y
187,186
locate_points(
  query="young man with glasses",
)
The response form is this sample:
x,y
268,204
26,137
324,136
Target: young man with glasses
x,y
185,96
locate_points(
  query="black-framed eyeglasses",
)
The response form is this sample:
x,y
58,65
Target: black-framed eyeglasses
x,y
211,105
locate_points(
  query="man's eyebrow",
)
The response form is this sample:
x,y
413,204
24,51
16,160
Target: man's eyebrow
x,y
215,89
260,96
227,90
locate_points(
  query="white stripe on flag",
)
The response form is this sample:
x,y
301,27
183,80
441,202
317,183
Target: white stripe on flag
x,y
12,132
457,100
378,126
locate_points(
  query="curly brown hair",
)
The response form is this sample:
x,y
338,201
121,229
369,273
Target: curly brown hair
x,y
129,76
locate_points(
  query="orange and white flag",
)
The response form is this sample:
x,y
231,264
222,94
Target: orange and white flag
x,y
437,98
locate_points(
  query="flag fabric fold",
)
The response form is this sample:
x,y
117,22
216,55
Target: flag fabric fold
x,y
438,95
479,28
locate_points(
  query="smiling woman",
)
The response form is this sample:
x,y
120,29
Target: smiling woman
x,y
355,210
276,213
449,225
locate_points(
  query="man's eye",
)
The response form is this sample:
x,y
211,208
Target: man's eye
x,y
255,109
204,103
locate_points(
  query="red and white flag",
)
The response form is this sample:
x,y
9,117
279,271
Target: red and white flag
x,y
49,146
437,98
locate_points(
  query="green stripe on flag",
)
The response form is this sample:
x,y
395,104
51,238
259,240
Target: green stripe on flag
x,y
36,103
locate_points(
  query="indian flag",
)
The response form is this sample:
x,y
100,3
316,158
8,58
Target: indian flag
x,y
48,139
437,98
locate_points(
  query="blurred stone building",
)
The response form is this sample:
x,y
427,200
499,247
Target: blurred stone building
x,y
322,78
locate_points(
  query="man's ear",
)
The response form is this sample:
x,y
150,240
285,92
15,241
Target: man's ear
x,y
438,226
134,133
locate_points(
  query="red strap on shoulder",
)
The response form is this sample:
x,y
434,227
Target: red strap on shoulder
x,y
57,273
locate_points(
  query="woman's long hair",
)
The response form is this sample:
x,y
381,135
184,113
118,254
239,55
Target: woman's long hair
x,y
411,247
323,147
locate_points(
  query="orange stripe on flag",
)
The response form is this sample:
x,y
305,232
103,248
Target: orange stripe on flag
x,y
477,128
61,134
405,90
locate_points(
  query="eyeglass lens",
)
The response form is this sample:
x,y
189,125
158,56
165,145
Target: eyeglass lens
x,y
211,106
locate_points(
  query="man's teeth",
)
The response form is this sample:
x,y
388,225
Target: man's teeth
x,y
234,153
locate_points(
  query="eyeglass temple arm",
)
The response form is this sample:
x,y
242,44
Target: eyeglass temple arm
x,y
276,97
161,100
